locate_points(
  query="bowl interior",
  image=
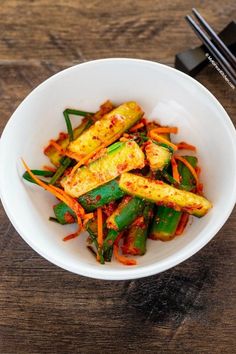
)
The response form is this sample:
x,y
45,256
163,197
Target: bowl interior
x,y
167,96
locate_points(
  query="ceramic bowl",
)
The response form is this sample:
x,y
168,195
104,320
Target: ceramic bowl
x,y
166,95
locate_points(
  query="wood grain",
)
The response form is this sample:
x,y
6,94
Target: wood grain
x,y
44,309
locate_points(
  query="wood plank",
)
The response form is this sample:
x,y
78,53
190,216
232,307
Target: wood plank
x,y
44,309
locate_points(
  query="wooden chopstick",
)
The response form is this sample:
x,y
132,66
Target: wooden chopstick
x,y
229,71
215,38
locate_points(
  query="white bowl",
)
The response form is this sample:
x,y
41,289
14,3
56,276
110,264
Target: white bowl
x,y
165,94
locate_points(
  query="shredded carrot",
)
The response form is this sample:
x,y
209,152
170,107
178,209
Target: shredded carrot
x,y
198,170
189,166
123,139
88,216
182,224
71,202
73,235
94,152
153,135
72,155
185,146
57,192
100,226
122,259
49,168
164,130
64,152
175,171
136,127
199,188
58,147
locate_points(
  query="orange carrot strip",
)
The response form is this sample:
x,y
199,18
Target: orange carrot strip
x,y
62,151
199,188
57,192
163,130
182,224
73,235
157,137
122,259
94,152
185,146
57,146
71,202
136,127
198,170
175,171
100,230
88,216
100,226
189,166
72,155
49,168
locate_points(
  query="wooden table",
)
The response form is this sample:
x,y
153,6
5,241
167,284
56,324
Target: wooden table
x,y
44,309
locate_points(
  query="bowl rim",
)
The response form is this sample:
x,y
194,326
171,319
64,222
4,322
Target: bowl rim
x,y
128,272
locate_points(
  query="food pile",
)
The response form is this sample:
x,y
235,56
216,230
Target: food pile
x,y
121,178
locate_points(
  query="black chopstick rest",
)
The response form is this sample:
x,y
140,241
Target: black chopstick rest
x,y
192,61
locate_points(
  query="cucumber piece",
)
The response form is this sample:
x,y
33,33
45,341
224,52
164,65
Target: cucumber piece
x,y
127,156
136,236
54,155
107,247
165,223
64,214
166,219
110,125
158,156
127,211
164,194
100,196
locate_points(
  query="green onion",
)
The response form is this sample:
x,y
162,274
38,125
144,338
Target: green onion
x,y
77,112
114,146
176,184
51,218
43,173
65,162
68,125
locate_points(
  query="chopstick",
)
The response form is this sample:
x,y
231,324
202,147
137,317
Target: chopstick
x,y
213,50
215,38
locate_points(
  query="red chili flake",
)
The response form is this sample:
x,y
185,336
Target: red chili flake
x,y
121,167
62,136
108,209
158,182
69,218
98,197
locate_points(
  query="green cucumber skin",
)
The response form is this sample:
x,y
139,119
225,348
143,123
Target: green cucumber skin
x,y
60,211
125,214
109,241
166,220
136,237
100,196
186,176
165,223
127,156
128,212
